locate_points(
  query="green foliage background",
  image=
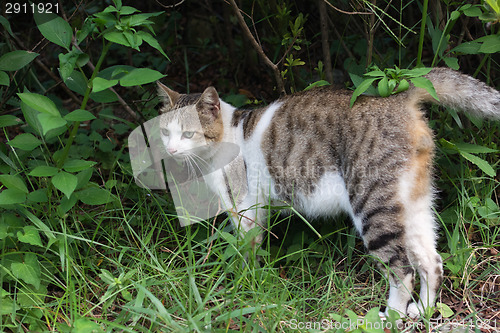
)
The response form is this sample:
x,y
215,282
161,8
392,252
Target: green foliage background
x,y
83,248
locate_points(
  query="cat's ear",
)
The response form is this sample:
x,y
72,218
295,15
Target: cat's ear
x,y
169,96
209,102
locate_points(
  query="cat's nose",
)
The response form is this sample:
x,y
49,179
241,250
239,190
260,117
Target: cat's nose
x,y
172,150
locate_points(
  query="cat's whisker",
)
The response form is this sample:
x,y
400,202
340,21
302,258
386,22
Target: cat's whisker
x,y
198,158
191,167
202,168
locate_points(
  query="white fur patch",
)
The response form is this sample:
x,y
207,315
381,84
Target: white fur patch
x,y
259,178
329,198
420,241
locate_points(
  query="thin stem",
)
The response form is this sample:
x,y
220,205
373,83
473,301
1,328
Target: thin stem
x,y
422,33
76,124
481,64
436,55
324,41
258,48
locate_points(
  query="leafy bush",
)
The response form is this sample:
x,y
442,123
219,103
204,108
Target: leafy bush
x,y
84,249
48,169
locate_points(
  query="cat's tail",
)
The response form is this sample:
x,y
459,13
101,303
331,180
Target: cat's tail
x,y
461,92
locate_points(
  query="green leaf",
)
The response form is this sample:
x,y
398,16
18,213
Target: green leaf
x,y
403,86
38,196
454,15
12,196
14,182
67,63
50,122
392,83
140,76
148,38
25,141
15,60
383,87
9,120
472,148
110,9
127,10
28,271
83,178
87,28
361,89
40,103
30,117
319,83
415,72
451,62
111,183
115,72
468,48
495,5
65,182
106,146
28,297
30,235
490,44
133,39
444,310
117,37
78,165
94,196
473,11
139,19
84,325
5,23
372,322
78,83
7,305
79,115
482,164
43,171
422,82
54,28
107,277
65,205
4,79
39,224
377,74
100,84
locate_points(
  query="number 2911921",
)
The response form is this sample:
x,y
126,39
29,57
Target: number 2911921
x,y
31,8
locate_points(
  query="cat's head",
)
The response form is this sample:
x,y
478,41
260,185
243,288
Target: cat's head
x,y
189,121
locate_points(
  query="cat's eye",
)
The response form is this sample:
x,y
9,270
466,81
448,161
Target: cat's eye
x,y
165,132
187,135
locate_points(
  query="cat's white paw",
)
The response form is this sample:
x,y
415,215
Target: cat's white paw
x,y
382,315
414,310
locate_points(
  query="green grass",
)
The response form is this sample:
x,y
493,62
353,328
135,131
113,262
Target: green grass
x,y
127,266
131,268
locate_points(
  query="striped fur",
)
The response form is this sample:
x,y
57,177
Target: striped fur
x,y
312,151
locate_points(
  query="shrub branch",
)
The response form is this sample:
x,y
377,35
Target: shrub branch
x,y
258,48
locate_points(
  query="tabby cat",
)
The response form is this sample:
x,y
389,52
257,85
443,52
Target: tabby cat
x,y
314,152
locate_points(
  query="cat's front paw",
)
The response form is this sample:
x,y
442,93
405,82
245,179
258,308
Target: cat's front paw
x,y
414,310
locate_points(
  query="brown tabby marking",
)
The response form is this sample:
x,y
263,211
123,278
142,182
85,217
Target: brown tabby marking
x,y
250,120
423,143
